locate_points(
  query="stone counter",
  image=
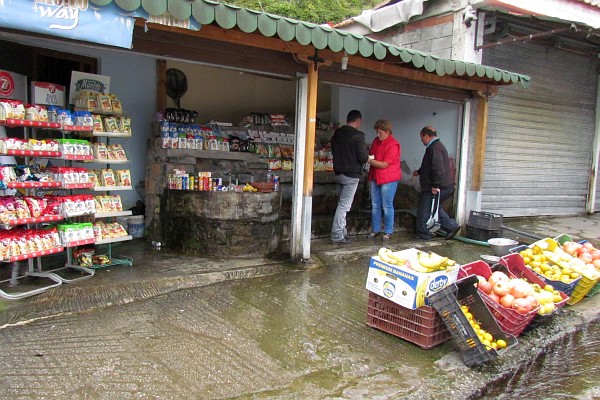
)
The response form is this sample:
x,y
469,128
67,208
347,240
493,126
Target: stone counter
x,y
221,224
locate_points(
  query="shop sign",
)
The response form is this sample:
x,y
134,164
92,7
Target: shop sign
x,y
13,86
84,82
49,94
72,19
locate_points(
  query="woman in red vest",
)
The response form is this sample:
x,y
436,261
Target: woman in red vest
x,y
384,175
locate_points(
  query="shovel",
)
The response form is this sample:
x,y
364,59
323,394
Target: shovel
x,y
433,223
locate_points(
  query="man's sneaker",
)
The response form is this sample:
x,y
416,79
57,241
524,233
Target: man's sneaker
x,y
341,241
452,233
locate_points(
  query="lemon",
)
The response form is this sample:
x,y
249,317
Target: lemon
x,y
501,343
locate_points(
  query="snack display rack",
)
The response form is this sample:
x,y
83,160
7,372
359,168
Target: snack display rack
x,y
42,280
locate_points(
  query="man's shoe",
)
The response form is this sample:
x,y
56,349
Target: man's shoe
x,y
373,235
452,233
341,241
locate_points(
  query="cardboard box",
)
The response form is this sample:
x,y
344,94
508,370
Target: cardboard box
x,y
402,285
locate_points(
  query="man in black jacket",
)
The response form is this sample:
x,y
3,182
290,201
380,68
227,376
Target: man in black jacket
x,y
350,153
435,177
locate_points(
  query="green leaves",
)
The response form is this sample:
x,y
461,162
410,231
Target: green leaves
x,y
316,11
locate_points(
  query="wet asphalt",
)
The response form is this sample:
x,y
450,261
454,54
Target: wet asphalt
x,y
181,327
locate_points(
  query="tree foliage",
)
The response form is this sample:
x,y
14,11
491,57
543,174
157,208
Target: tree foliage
x,y
316,11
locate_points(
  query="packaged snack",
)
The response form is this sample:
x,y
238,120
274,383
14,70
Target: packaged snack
x,y
116,152
117,204
97,123
12,109
107,177
100,151
105,103
93,177
125,125
111,125
36,206
123,177
116,104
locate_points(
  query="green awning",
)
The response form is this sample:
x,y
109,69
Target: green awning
x,y
321,37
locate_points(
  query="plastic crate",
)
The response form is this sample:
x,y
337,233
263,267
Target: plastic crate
x,y
483,235
566,288
593,291
485,220
509,320
582,289
447,302
422,326
515,264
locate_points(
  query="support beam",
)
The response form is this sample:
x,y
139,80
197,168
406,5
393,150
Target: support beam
x,y
161,85
480,141
297,236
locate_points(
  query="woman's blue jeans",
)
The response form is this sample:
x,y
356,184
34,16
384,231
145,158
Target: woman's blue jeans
x,y
382,200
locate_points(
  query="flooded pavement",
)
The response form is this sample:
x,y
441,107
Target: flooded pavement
x,y
272,331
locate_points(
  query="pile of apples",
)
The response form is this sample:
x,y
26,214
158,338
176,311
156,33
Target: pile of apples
x,y
585,252
512,293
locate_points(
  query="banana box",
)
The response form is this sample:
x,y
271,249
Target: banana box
x,y
405,286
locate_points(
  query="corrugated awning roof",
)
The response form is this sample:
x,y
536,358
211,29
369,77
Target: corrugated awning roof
x,y
320,37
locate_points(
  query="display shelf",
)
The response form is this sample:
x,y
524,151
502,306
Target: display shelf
x,y
113,214
211,154
71,273
111,188
76,128
78,185
111,134
101,161
79,243
75,157
18,289
32,185
78,214
25,221
23,123
116,260
35,254
33,153
114,240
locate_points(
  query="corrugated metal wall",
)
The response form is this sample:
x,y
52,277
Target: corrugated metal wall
x,y
539,139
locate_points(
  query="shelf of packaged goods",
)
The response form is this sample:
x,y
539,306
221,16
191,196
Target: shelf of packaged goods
x,y
35,254
211,154
113,214
75,157
82,242
76,128
101,161
33,153
25,221
112,134
77,185
32,185
17,123
111,188
114,239
78,214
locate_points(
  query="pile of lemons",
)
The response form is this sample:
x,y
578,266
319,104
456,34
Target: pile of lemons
x,y
537,260
484,336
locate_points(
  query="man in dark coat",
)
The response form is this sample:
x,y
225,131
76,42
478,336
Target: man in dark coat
x,y
350,153
436,177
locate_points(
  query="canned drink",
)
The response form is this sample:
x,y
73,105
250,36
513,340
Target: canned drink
x,y
219,183
275,182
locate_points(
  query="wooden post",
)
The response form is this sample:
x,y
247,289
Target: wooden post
x,y
311,126
161,85
480,141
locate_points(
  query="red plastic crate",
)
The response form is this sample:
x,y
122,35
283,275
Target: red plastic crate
x,y
510,320
422,326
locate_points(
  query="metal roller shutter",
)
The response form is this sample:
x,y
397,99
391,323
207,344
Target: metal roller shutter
x,y
539,139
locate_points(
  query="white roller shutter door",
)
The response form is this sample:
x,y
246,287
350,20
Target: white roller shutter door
x,y
539,139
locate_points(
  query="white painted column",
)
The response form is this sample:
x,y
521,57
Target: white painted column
x,y
296,229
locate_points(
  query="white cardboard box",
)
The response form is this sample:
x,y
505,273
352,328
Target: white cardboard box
x,y
401,284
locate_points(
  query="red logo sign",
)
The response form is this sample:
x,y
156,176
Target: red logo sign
x,y
51,88
7,84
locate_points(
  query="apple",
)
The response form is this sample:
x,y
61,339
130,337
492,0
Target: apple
x,y
485,287
595,254
507,300
522,306
497,276
500,288
494,297
586,257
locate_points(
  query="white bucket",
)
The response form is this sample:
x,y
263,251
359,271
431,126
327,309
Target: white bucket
x,y
135,226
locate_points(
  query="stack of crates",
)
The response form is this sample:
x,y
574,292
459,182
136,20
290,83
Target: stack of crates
x,y
422,326
484,225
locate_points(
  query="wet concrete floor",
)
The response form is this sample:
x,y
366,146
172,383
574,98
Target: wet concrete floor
x,y
178,327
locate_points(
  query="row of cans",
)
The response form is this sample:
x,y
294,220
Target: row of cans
x,y
202,182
